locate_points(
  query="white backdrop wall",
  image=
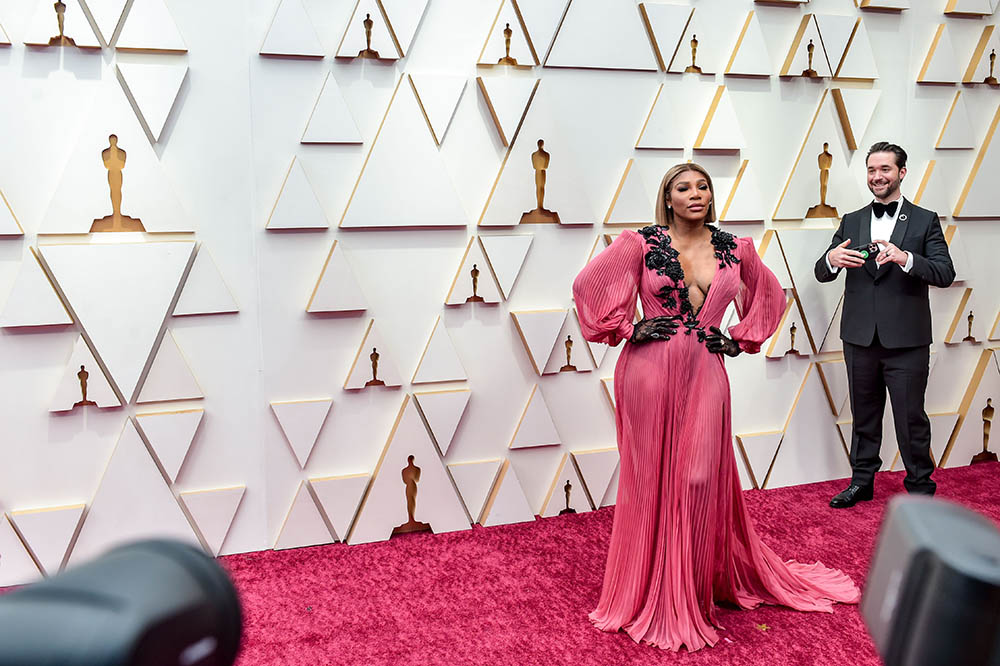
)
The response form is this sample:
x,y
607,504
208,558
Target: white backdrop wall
x,y
401,210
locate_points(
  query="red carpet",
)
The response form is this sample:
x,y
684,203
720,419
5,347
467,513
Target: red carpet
x,y
520,594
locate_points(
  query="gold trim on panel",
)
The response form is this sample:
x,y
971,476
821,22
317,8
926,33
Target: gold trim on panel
x,y
739,42
732,192
687,24
958,315
843,56
524,340
798,157
555,484
494,491
354,363
370,151
979,161
977,54
803,24
923,184
845,121
947,119
709,116
458,272
970,393
930,53
618,191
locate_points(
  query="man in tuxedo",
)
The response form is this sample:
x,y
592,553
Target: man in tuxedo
x,y
886,321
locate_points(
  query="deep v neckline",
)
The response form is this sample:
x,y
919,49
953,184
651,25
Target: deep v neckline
x,y
664,258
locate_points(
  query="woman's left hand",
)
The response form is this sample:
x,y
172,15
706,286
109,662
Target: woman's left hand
x,y
718,343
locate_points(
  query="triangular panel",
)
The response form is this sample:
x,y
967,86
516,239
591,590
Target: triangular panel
x,y
982,64
170,435
662,127
213,512
339,497
758,449
507,98
940,65
372,368
423,193
596,468
982,393
303,525
82,369
474,281
604,35
425,486
742,201
750,54
980,197
301,421
633,203
331,120
170,376
566,492
535,427
9,226
204,291
507,27
442,411
297,206
132,502
337,289
292,33
438,96
721,128
120,294
47,533
858,62
474,481
107,15
32,300
150,27
539,330
855,109
440,361
404,16
152,89
18,568
957,129
700,49
806,52
506,503
665,25
569,354
506,255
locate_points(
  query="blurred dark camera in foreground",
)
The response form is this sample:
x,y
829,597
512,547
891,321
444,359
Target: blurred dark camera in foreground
x,y
933,593
150,603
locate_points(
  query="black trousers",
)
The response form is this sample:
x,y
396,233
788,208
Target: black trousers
x,y
870,371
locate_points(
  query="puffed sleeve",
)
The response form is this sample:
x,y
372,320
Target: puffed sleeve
x,y
760,302
606,288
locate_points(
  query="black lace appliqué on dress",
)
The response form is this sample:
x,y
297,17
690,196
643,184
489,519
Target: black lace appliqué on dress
x,y
665,260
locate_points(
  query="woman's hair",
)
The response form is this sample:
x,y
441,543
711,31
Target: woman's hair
x,y
665,215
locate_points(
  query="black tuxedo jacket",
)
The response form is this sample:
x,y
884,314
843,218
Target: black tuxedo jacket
x,y
888,299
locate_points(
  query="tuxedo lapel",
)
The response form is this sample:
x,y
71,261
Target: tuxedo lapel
x,y
865,236
898,231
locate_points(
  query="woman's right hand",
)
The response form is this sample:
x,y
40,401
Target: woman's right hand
x,y
657,328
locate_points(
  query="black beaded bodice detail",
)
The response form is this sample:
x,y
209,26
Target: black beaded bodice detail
x,y
665,260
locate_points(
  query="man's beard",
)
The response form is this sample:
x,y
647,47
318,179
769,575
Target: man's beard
x,y
892,188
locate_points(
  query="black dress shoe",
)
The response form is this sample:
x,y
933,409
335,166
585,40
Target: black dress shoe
x,y
852,496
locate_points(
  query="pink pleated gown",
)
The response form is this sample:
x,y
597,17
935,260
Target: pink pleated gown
x,y
682,539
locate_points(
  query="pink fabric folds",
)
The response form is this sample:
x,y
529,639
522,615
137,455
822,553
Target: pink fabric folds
x,y
682,539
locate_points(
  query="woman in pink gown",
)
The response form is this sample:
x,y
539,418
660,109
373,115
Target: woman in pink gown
x,y
682,539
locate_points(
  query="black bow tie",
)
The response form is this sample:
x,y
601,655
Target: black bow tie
x,y
881,209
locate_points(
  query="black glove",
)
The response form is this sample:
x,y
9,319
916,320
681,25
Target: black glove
x,y
657,328
718,343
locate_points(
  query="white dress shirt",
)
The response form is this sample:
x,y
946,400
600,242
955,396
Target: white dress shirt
x,y
881,229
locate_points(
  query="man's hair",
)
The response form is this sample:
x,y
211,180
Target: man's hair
x,y
886,147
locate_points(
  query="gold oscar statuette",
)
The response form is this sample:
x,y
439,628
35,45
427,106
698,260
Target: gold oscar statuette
x,y
540,162
368,52
791,347
475,298
411,477
822,209
986,455
61,39
83,375
991,79
809,71
568,490
969,338
693,68
114,162
374,381
506,59
569,367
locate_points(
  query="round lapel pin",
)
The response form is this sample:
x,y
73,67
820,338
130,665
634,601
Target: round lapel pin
x,y
902,217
